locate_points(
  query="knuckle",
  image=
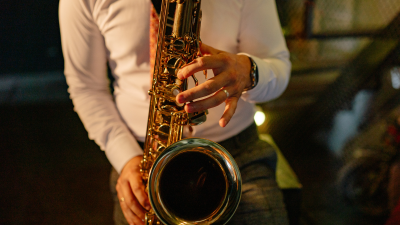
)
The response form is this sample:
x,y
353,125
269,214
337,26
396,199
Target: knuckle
x,y
232,77
237,86
119,184
234,74
201,62
208,87
126,174
136,189
117,187
129,201
184,71
226,59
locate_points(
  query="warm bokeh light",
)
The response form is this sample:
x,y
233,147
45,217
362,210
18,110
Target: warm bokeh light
x,y
259,117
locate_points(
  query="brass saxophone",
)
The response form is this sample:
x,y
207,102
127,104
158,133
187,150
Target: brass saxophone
x,y
194,180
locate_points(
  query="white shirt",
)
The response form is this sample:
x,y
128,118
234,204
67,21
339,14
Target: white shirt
x,y
94,32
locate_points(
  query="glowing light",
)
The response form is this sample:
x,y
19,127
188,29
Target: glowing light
x,y
259,117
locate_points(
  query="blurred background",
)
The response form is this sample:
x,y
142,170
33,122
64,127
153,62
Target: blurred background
x,y
336,124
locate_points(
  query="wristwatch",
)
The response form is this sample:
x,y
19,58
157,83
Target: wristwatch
x,y
253,75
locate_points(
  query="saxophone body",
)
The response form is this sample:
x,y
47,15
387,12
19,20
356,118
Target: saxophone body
x,y
188,181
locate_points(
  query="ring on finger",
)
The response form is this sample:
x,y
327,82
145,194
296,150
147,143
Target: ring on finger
x,y
226,92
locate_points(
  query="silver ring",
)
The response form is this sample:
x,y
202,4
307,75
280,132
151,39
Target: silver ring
x,y
226,92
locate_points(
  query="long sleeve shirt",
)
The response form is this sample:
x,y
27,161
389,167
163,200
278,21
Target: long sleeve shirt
x,y
97,32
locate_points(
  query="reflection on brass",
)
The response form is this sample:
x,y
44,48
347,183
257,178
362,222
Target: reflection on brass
x,y
189,181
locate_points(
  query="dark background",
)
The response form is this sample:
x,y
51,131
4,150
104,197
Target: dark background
x,y
51,173
30,37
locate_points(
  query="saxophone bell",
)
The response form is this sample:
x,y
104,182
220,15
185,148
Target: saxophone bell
x,y
194,181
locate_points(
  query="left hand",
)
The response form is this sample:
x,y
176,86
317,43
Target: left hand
x,y
134,201
231,72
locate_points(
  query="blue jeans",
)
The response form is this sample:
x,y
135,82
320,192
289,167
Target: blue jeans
x,y
262,200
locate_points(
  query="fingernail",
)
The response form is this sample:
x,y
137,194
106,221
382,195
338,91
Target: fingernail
x,y
147,205
180,99
189,108
222,123
179,75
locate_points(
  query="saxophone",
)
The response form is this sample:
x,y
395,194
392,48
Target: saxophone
x,y
188,181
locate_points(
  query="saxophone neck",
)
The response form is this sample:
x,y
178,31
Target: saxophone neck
x,y
186,19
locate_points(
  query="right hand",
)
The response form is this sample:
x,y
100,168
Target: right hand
x,y
131,194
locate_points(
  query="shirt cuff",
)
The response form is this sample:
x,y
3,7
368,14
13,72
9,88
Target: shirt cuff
x,y
265,77
121,150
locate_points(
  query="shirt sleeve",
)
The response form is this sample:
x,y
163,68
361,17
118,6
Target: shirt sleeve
x,y
85,66
261,39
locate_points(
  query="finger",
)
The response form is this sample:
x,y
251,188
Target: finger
x,y
208,50
210,102
208,87
130,217
230,108
137,188
199,64
124,190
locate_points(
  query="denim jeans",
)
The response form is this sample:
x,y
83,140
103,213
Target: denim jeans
x,y
262,200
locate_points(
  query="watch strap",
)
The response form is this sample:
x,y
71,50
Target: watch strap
x,y
253,75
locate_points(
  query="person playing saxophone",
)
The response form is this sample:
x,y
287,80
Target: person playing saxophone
x,y
248,62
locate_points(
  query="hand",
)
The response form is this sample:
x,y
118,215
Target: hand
x,y
131,194
231,72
